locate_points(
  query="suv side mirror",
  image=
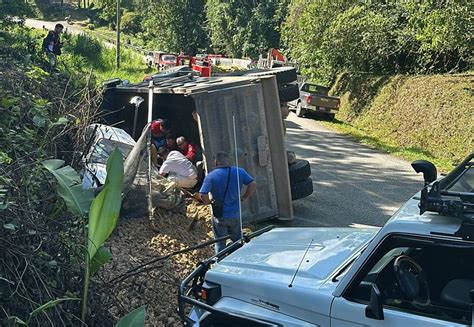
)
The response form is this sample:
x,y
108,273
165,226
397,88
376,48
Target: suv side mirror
x,y
375,308
430,174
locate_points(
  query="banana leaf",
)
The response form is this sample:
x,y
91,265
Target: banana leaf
x,y
135,318
102,256
69,187
105,208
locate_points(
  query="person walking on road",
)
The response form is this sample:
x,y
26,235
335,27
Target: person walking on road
x,y
223,183
52,44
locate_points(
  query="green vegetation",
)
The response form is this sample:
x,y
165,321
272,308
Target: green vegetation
x,y
87,54
103,211
327,37
412,117
43,112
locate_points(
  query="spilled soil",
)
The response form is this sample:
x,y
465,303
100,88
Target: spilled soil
x,y
137,241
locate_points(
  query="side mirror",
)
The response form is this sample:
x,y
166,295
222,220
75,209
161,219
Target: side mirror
x,y
375,308
430,174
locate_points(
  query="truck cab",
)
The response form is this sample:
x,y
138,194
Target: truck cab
x,y
164,60
417,270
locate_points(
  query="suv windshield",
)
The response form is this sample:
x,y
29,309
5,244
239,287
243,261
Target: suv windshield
x,y
465,183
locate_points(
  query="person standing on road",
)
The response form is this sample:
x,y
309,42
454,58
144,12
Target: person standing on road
x,y
223,183
52,44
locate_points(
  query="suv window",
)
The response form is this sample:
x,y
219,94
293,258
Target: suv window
x,y
446,266
104,148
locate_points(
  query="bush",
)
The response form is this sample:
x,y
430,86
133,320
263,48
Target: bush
x,y
40,244
131,23
432,113
379,37
91,27
86,47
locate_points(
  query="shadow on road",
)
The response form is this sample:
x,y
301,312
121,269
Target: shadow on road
x,y
352,183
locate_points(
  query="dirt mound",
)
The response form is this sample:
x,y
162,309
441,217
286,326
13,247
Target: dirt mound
x,y
137,241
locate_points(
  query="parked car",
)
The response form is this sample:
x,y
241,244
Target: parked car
x,y
204,109
315,98
417,270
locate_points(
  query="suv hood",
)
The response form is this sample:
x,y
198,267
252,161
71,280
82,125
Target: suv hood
x,y
275,256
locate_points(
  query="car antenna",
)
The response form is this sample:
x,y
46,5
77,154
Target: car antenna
x,y
238,181
297,269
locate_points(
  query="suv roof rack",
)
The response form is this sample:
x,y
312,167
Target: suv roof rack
x,y
436,197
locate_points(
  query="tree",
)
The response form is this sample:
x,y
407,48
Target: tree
x,y
174,25
14,8
245,27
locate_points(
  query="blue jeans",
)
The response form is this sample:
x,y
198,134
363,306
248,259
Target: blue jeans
x,y
223,227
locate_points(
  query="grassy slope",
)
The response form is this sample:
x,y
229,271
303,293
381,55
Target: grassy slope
x,y
413,117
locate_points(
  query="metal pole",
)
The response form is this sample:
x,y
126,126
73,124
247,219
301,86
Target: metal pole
x,y
117,57
238,181
150,117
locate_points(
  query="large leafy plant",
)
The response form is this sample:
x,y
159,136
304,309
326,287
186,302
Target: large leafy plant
x,y
103,212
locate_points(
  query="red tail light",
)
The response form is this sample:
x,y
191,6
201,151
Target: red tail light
x,y
309,98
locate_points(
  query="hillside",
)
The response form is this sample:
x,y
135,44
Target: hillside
x,y
433,114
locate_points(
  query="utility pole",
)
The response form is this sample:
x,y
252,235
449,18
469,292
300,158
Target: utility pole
x,y
117,57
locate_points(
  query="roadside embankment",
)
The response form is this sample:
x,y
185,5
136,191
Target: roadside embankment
x,y
432,115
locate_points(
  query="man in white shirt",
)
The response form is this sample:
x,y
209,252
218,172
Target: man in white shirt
x,y
177,168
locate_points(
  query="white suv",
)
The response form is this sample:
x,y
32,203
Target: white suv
x,y
418,270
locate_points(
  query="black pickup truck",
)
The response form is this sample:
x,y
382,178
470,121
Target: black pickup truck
x,y
315,98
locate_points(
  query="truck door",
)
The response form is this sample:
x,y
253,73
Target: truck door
x,y
217,110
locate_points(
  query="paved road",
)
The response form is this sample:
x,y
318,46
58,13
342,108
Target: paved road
x,y
36,23
353,184
70,29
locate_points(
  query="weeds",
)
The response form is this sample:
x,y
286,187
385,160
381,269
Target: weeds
x,y
42,115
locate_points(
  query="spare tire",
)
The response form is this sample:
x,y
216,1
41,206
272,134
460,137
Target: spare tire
x,y
302,189
284,75
299,171
288,92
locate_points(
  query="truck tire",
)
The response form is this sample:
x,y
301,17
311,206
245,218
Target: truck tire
x,y
299,110
288,92
299,171
302,189
284,75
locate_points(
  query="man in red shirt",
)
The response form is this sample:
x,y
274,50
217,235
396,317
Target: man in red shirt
x,y
187,149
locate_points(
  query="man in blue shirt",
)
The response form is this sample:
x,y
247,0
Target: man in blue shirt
x,y
215,183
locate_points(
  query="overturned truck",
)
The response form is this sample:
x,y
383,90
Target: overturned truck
x,y
205,110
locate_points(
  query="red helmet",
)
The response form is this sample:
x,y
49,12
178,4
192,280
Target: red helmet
x,y
156,127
